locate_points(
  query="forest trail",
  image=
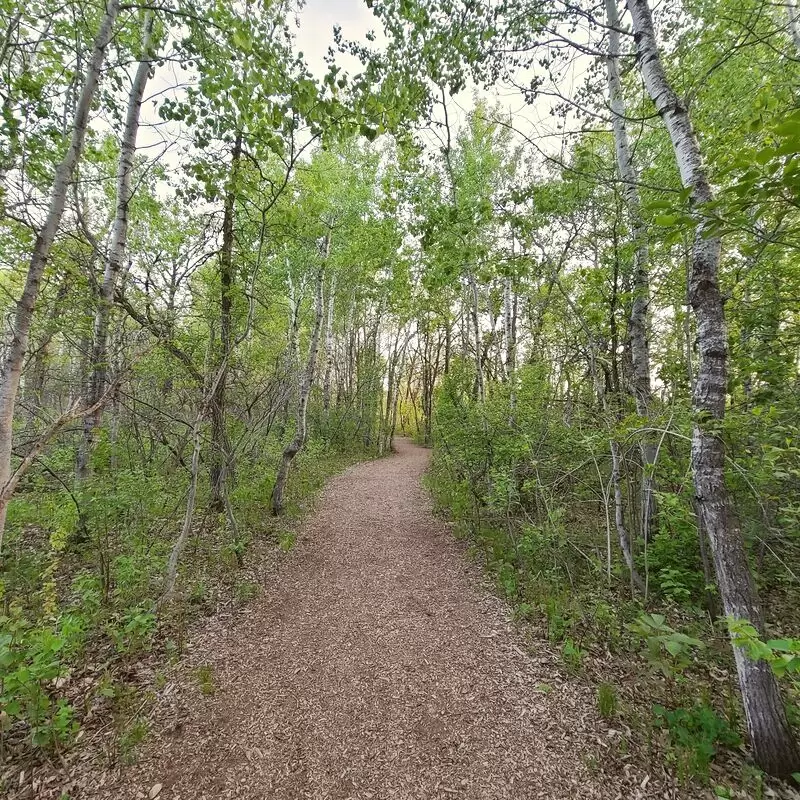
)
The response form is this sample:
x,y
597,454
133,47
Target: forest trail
x,y
377,666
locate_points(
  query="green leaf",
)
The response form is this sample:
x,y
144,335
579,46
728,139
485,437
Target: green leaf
x,y
665,220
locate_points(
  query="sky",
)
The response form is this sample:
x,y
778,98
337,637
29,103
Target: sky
x,y
317,20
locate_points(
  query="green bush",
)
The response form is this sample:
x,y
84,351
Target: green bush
x,y
695,735
32,660
606,700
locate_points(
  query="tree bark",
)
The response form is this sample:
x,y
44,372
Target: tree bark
x,y
188,516
794,23
771,738
638,322
300,435
220,447
326,382
474,311
15,353
116,253
34,393
619,518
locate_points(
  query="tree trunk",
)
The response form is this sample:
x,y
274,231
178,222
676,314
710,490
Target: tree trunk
x,y
35,386
794,23
510,332
220,447
326,383
188,516
474,310
299,439
15,353
773,745
619,518
116,254
638,323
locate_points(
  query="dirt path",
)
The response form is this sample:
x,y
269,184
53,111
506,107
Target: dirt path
x,y
378,666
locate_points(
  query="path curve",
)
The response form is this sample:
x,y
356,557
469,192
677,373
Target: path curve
x,y
377,666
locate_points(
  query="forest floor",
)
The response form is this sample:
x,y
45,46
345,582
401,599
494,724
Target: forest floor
x,y
378,665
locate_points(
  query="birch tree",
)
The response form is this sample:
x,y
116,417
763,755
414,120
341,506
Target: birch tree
x,y
23,316
638,325
306,383
770,735
117,247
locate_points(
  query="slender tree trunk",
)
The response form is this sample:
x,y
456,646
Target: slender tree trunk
x,y
220,447
23,317
350,333
474,310
619,517
188,516
36,384
773,745
448,344
385,420
299,439
510,325
294,324
794,23
116,254
638,323
326,383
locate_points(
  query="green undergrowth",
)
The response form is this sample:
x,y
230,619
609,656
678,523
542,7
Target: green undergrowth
x,y
85,570
528,490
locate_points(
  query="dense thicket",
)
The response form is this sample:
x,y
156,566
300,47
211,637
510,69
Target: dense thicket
x,y
593,321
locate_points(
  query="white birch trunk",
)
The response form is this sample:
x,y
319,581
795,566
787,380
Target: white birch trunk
x,y
23,317
770,735
299,439
116,252
794,23
638,324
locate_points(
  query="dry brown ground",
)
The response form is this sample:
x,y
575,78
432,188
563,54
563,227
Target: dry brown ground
x,y
377,666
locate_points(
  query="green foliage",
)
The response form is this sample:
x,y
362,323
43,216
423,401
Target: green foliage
x,y
286,540
129,740
246,590
33,662
668,650
782,654
607,700
132,631
204,675
572,655
695,735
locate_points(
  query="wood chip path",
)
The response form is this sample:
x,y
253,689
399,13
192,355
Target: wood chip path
x,y
377,666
